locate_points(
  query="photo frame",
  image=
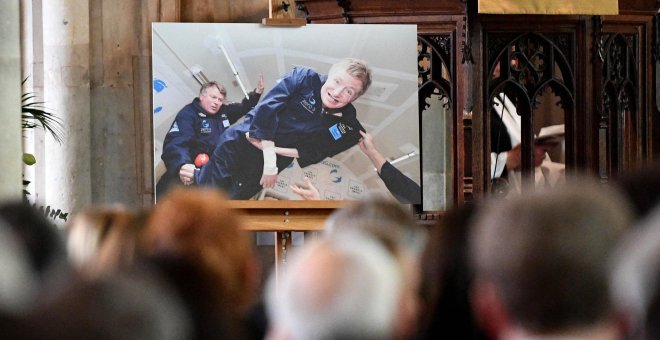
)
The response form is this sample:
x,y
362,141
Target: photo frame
x,y
185,55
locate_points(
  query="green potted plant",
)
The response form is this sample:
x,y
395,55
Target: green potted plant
x,y
35,115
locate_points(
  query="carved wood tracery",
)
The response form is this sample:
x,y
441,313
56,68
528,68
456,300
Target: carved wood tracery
x,y
598,66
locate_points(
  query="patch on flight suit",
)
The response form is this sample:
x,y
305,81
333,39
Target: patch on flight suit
x,y
309,104
206,127
339,129
174,128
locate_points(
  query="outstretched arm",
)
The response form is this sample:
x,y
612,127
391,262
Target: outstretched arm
x,y
368,148
235,111
286,152
403,188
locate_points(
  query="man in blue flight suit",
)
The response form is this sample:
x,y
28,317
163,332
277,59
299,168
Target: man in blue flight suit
x,y
306,115
197,129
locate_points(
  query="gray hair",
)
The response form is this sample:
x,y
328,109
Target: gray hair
x,y
215,84
546,253
354,296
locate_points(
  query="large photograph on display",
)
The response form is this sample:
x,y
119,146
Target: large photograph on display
x,y
325,112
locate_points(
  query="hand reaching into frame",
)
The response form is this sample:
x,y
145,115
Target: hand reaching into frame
x,y
309,192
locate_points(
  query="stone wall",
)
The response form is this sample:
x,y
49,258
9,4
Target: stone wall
x,y
10,101
91,62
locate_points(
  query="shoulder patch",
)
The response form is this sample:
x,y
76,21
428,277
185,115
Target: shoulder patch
x,y
174,128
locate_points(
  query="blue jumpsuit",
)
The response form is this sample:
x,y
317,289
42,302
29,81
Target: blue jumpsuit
x,y
194,131
291,115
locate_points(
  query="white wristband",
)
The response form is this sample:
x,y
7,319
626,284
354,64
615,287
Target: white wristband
x,y
270,160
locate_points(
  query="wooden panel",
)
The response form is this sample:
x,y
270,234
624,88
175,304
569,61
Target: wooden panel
x,y
168,10
223,11
322,11
641,7
196,10
396,8
285,215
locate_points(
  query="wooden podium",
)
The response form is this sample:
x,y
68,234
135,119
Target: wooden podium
x,y
283,217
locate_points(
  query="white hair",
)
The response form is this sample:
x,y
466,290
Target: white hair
x,y
358,296
636,269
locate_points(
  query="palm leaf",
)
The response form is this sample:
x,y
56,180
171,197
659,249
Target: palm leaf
x,y
34,115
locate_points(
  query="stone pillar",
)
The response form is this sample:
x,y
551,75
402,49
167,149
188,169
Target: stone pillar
x,y
67,181
10,101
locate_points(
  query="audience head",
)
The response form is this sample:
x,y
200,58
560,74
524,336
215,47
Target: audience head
x,y
541,260
40,238
338,287
642,188
382,217
636,278
124,305
199,226
446,279
18,280
387,221
104,238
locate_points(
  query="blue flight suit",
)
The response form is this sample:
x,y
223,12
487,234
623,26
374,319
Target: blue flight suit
x,y
292,116
194,131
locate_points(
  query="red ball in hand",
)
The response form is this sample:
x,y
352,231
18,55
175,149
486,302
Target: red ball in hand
x,y
201,159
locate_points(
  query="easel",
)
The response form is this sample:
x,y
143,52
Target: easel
x,y
284,217
282,13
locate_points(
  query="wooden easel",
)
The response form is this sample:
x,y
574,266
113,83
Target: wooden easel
x,y
284,217
282,13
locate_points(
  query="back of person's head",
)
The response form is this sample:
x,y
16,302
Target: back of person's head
x,y
337,287
388,222
642,188
636,278
42,241
356,68
199,225
446,278
101,239
18,280
382,217
193,285
125,305
545,255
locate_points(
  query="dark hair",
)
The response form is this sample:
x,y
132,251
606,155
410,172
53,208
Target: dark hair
x,y
447,277
44,244
546,253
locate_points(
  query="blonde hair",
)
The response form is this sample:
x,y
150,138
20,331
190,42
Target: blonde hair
x,y
104,238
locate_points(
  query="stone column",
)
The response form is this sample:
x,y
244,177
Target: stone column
x,y
10,101
66,44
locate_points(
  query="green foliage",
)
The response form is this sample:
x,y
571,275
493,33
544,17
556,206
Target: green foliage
x,y
35,115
